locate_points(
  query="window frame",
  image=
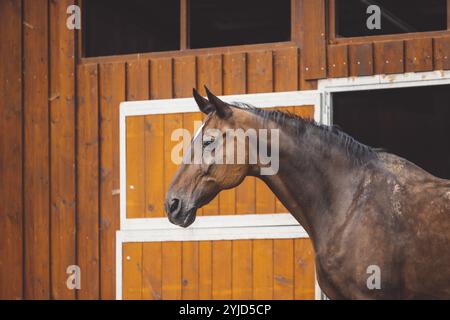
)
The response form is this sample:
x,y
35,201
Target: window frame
x,y
334,39
184,38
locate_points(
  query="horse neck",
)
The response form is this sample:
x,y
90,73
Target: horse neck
x,y
314,183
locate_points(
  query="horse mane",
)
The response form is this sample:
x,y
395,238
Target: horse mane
x,y
330,136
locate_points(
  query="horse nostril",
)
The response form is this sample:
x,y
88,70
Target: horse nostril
x,y
174,205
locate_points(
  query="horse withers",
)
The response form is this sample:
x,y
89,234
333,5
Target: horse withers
x,y
367,212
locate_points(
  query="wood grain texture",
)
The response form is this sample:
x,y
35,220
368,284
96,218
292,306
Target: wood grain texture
x,y
312,17
304,270
337,61
36,146
152,271
361,59
88,182
112,93
11,152
62,146
132,271
388,57
419,55
441,53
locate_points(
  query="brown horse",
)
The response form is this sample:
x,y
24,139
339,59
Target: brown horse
x,y
368,213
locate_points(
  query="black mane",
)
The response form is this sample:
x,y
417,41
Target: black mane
x,y
330,135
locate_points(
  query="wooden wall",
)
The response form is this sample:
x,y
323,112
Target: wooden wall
x,y
59,163
225,269
59,155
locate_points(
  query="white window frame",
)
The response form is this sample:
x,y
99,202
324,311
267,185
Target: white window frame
x,y
233,227
377,82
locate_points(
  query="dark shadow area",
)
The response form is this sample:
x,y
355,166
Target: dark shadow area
x,y
113,27
397,16
413,123
236,22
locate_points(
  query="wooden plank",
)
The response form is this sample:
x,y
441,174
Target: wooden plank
x,y
62,146
11,152
171,270
132,271
137,89
36,144
304,270
222,270
242,270
285,70
313,51
152,271
112,92
361,59
88,181
260,79
283,269
190,271
337,56
304,84
388,56
263,269
419,55
205,270
209,73
184,78
442,53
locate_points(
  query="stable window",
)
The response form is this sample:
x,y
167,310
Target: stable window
x,y
114,27
413,123
396,17
234,22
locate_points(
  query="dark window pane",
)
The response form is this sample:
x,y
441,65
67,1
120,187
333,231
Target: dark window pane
x,y
234,22
413,123
397,16
113,27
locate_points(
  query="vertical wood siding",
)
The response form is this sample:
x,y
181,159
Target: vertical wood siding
x,y
59,156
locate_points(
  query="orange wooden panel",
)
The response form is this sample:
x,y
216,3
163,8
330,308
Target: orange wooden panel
x,y
263,269
132,271
442,53
222,270
312,17
190,271
361,59
171,270
36,145
337,61
205,270
304,271
151,271
62,156
283,269
112,92
184,77
161,82
388,56
419,55
135,154
285,70
88,182
154,165
11,152
137,89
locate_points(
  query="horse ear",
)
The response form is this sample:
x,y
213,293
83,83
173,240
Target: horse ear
x,y
222,108
203,104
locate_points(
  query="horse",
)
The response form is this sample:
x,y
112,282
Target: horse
x,y
367,212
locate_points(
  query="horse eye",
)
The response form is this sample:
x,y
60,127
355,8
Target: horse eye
x,y
208,142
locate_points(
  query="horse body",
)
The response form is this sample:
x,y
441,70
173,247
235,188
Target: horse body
x,y
362,208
